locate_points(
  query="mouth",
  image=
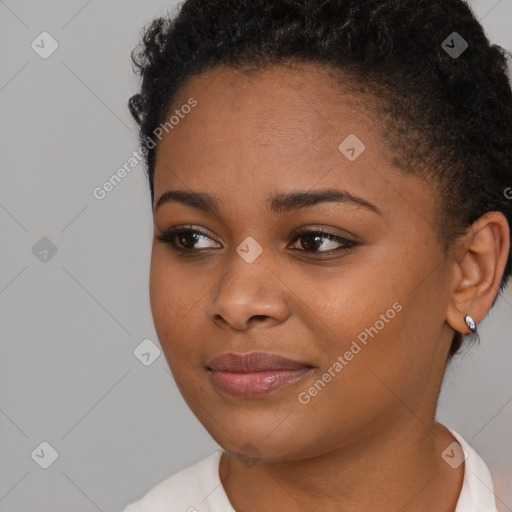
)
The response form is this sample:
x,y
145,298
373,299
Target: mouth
x,y
254,374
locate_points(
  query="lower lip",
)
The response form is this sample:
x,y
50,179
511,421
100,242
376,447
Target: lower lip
x,y
256,383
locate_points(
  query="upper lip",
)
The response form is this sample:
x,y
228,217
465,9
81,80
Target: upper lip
x,y
253,362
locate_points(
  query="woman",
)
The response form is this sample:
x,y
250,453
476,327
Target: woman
x,y
329,187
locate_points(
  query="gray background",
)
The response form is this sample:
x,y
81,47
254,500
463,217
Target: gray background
x,y
70,324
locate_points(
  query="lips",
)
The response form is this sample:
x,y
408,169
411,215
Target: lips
x,y
254,374
253,362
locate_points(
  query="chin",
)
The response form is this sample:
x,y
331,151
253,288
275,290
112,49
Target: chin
x,y
261,442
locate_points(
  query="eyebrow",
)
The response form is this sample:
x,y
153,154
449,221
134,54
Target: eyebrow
x,y
280,203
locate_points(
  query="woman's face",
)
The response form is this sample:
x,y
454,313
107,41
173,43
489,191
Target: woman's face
x,y
364,316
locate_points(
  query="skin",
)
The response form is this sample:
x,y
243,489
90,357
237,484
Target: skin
x,y
368,440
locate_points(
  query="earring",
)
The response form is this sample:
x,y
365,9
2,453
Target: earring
x,y
470,323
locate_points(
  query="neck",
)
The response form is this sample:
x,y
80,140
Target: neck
x,y
399,468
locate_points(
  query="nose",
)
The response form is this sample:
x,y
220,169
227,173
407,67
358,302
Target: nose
x,y
249,296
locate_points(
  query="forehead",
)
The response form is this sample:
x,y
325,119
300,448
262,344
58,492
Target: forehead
x,y
278,103
257,133
271,115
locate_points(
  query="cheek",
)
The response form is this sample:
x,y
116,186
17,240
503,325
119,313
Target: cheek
x,y
174,289
178,296
162,293
174,302
383,335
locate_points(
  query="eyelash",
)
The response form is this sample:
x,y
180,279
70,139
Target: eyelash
x,y
169,235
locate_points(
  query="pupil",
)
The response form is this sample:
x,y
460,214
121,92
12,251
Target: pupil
x,y
185,236
317,242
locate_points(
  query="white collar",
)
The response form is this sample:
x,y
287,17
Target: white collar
x,y
477,493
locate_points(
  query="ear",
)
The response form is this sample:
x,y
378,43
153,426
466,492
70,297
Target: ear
x,y
480,260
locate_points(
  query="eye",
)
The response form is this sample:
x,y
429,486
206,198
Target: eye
x,y
312,240
184,239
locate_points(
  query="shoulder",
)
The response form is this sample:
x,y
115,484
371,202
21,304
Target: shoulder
x,y
477,493
184,490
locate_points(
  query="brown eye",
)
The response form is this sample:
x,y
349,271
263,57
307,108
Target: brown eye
x,y
312,241
187,239
183,239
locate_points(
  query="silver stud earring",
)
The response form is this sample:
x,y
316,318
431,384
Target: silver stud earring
x,y
470,323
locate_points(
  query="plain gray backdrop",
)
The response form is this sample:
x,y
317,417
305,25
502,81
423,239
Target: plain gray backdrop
x,y
74,302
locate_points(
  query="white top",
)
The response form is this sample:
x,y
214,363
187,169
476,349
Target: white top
x,y
198,488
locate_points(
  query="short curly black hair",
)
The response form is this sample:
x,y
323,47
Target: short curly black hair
x,y
446,117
